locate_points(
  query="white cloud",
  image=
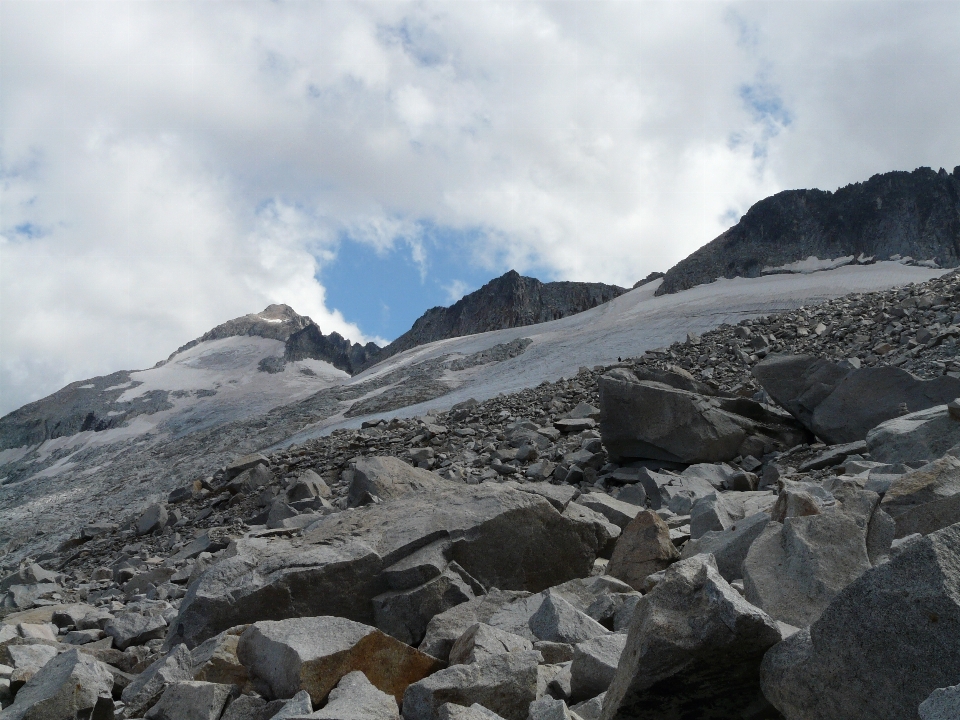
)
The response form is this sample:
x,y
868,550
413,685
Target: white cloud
x,y
455,290
171,165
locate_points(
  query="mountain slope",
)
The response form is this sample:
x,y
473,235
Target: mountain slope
x,y
915,214
508,301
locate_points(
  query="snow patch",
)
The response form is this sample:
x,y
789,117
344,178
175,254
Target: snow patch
x,y
810,265
86,387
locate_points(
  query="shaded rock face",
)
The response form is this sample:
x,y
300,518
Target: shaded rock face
x,y
694,643
310,342
923,435
915,214
882,646
841,405
650,419
508,301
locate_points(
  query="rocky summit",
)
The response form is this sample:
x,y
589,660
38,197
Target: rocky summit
x,y
758,519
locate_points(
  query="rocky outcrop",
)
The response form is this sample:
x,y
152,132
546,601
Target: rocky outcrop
x,y
915,214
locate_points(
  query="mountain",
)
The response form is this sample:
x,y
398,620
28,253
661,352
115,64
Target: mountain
x,y
509,301
890,216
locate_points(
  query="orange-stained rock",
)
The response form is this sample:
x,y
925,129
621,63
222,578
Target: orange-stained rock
x,y
643,548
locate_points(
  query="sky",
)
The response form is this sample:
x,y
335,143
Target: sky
x,y
167,166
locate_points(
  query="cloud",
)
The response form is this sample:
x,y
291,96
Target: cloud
x,y
167,166
455,290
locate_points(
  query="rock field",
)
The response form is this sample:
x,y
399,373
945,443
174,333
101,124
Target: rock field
x,y
759,522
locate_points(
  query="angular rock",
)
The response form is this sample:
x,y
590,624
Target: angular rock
x,y
643,548
149,685
882,646
312,654
648,419
841,405
481,641
388,478
70,685
595,663
694,643
616,511
191,700
452,711
713,512
729,547
296,708
681,493
245,462
26,660
505,684
793,571
355,698
132,628
28,574
154,518
249,707
308,485
549,709
445,629
943,704
925,500
216,661
556,620
923,435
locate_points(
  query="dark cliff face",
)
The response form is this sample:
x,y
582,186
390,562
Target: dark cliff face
x,y
914,214
508,301
334,348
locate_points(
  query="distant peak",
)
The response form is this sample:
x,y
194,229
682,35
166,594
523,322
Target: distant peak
x,y
278,313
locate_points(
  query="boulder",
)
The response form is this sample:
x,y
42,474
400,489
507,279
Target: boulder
x,y
943,704
309,485
505,684
923,435
71,685
713,512
296,708
842,404
694,643
246,462
252,707
793,570
312,654
729,547
149,685
681,493
549,709
387,478
595,662
132,628
27,659
650,419
216,661
356,698
556,620
28,574
616,511
481,641
926,499
154,518
882,646
191,700
445,629
643,548
452,711
338,568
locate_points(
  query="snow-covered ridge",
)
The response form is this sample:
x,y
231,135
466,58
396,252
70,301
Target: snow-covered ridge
x,y
814,264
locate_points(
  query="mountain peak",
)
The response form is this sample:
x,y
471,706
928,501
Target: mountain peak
x,y
279,313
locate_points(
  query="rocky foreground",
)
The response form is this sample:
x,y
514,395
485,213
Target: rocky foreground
x,y
762,522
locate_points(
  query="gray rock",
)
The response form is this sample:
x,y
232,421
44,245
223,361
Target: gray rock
x,y
841,405
132,628
505,684
633,494
793,571
216,659
27,659
595,663
680,494
452,711
190,700
713,512
447,627
154,518
149,685
245,462
312,654
556,620
882,645
28,574
337,570
729,547
645,419
943,704
549,709
355,698
248,707
249,480
481,641
308,485
923,435
387,478
694,643
70,685
297,707
557,495
720,475
616,511
927,499
279,511
589,709
643,548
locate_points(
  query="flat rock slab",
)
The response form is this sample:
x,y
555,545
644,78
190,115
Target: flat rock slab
x,y
191,700
923,435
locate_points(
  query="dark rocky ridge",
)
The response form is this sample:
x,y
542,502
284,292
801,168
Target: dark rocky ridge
x,y
508,301
915,214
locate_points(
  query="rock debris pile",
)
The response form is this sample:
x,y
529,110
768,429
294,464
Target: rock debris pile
x,y
762,522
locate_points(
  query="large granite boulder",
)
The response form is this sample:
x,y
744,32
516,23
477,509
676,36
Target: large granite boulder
x,y
925,500
842,404
356,698
882,646
923,435
389,477
339,568
650,419
729,547
642,549
70,685
694,643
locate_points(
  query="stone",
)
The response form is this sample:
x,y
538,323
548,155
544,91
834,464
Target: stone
x,y
633,494
337,567
452,711
841,405
557,495
833,455
556,620
250,480
70,685
149,685
680,494
793,571
216,660
924,435
245,462
713,512
720,475
308,485
729,547
191,700
248,707
549,709
279,511
312,654
505,684
36,630
694,643
296,708
595,663
589,709
616,511
356,698
27,660
643,548
926,499
446,628
154,518
28,574
387,478
943,704
883,644
481,641
132,628
574,425
648,419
